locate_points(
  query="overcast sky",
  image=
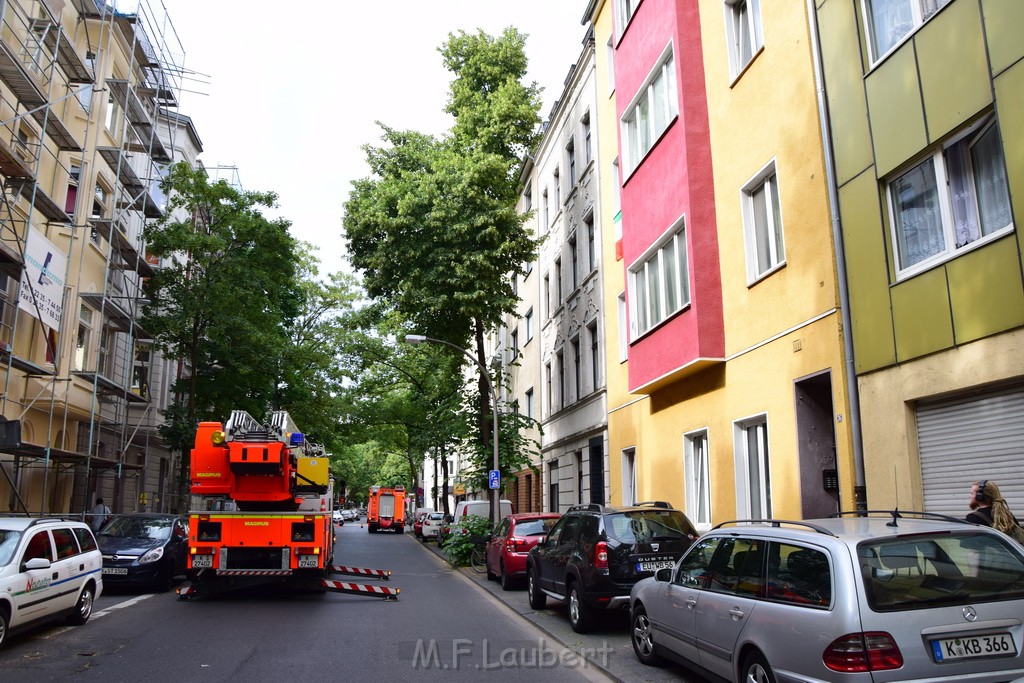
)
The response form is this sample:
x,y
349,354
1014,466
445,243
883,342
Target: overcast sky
x,y
289,91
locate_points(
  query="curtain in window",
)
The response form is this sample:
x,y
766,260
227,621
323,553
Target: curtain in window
x,y
891,20
917,215
965,216
990,182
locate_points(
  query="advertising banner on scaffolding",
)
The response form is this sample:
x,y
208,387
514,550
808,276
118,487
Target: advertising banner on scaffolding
x,y
42,281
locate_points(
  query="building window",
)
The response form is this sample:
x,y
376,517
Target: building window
x,y
595,356
8,307
570,161
610,53
71,199
83,338
557,184
953,200
574,261
660,282
547,209
762,224
113,116
697,470
616,189
743,25
558,281
560,361
547,294
577,366
105,365
588,224
623,328
529,402
578,456
624,11
553,487
549,388
513,345
140,371
889,21
588,152
527,198
753,481
649,115
528,322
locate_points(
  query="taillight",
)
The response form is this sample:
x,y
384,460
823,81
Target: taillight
x,y
856,652
515,545
600,558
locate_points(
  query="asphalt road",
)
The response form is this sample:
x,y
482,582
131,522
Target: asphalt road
x,y
441,627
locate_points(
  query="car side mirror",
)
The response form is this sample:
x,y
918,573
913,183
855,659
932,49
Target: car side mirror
x,y
664,574
37,563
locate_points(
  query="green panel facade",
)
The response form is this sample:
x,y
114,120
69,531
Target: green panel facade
x,y
1003,22
1010,108
921,316
841,59
864,243
985,291
894,102
954,73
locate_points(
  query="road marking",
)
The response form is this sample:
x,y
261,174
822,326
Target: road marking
x,y
102,613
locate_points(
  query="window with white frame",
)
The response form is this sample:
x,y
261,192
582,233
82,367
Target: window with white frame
x,y
624,11
547,295
762,223
563,399
527,198
588,225
8,307
890,21
587,142
558,282
753,480
513,345
83,337
743,31
547,209
549,387
529,402
556,182
650,113
574,261
955,199
113,115
610,53
660,281
577,366
595,356
570,162
623,328
697,470
528,324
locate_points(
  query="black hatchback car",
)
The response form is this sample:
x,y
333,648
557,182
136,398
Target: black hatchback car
x,y
144,549
594,554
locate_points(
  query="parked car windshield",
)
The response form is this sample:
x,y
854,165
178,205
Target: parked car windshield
x,y
138,527
534,527
926,571
8,544
644,526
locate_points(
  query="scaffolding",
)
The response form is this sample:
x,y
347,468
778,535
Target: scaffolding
x,y
88,91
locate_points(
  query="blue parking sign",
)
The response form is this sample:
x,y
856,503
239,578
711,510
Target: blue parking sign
x,y
494,479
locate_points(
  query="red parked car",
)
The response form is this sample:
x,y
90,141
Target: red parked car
x,y
512,540
417,525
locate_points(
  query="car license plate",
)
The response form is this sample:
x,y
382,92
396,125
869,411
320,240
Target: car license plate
x,y
308,561
989,645
202,561
655,565
115,570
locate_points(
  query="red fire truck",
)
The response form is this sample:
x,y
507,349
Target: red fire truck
x,y
386,509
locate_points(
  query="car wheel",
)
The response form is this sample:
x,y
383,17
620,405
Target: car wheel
x,y
643,638
537,599
506,580
83,609
756,670
581,616
3,626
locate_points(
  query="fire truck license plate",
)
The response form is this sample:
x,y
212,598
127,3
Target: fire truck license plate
x,y
308,561
202,561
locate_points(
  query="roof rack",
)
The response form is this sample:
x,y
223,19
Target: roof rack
x,y
897,514
777,523
653,504
589,507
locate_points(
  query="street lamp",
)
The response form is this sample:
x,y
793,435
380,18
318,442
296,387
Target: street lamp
x,y
419,339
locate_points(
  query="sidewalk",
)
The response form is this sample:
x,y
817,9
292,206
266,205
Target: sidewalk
x,y
607,648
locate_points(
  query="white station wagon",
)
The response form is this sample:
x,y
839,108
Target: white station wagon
x,y
49,568
869,597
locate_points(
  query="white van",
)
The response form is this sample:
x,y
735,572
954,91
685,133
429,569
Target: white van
x,y
481,508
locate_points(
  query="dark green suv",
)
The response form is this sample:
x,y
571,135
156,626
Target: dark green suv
x,y
594,554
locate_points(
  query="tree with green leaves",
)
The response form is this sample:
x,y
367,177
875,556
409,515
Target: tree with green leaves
x,y
434,229
221,304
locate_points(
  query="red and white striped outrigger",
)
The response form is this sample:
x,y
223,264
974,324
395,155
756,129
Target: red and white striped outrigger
x,y
384,592
382,574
